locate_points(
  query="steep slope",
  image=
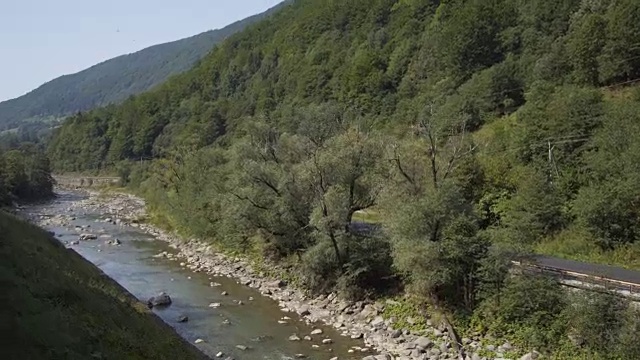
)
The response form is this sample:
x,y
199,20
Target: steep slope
x,y
56,305
116,79
382,59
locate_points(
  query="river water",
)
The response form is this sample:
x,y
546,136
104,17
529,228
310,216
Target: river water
x,y
258,323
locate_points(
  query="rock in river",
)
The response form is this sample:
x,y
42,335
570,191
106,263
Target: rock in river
x,y
85,237
114,242
161,299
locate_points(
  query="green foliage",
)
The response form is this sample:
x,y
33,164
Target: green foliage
x,y
527,309
407,314
24,175
479,131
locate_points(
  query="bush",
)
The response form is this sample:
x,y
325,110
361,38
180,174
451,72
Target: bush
x,y
527,310
595,319
367,268
320,268
604,326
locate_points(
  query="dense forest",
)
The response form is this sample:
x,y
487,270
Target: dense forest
x,y
116,79
24,175
472,132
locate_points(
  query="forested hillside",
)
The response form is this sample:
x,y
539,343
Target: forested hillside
x,y
116,79
472,131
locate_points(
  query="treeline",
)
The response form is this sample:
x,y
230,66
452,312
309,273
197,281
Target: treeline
x,y
471,132
24,175
37,133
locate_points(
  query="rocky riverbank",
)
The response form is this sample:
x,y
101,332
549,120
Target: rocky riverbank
x,y
353,319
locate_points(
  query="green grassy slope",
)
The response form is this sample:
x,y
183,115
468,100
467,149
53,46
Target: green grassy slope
x,y
56,305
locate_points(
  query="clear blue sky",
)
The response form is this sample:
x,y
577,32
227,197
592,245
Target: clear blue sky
x,y
43,39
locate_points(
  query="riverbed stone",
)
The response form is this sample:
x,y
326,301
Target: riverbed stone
x,y
304,310
294,337
531,356
162,299
423,343
377,322
87,236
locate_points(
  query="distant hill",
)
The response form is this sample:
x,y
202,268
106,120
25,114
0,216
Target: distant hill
x,y
116,79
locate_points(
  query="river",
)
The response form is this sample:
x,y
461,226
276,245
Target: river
x,y
244,318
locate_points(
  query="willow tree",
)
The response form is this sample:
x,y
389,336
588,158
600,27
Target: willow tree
x,y
432,226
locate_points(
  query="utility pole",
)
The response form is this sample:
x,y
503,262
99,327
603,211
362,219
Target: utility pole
x,y
552,161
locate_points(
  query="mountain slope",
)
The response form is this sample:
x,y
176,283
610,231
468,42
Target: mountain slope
x,y
475,131
382,59
56,305
116,79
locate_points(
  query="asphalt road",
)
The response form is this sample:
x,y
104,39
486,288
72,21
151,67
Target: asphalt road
x,y
610,272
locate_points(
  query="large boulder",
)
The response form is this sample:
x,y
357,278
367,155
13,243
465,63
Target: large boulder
x,y
161,299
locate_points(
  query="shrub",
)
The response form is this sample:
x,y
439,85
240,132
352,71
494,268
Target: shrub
x,y
367,268
527,310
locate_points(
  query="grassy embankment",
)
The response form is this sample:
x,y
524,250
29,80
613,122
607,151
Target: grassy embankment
x,y
56,305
